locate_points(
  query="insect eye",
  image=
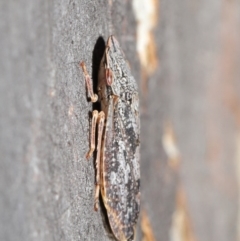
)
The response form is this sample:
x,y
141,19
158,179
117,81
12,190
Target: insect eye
x,y
109,76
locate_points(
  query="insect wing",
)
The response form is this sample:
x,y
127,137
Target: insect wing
x,y
121,174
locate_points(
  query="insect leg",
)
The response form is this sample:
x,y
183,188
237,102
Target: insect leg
x,y
101,118
89,84
93,134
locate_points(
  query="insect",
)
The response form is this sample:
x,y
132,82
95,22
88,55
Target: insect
x,y
117,127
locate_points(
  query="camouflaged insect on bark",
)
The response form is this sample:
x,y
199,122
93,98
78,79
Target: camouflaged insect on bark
x,y
118,127
120,170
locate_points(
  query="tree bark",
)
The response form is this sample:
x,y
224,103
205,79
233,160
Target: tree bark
x,y
188,79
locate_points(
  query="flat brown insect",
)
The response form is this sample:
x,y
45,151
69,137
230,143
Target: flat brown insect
x,y
118,130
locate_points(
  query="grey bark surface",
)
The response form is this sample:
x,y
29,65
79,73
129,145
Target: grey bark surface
x,y
46,183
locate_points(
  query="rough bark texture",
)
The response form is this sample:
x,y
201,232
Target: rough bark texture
x,y
190,123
